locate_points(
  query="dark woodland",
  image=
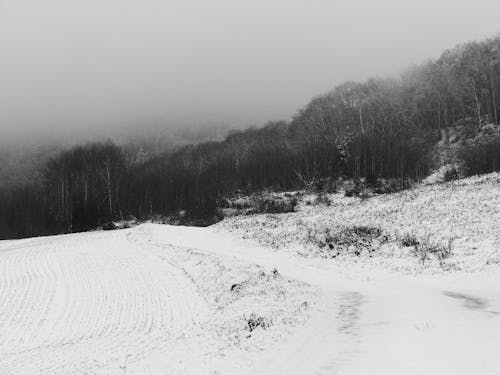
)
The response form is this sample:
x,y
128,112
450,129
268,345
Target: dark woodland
x,y
378,129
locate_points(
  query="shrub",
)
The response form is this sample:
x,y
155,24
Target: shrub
x,y
327,185
409,240
274,205
366,188
323,199
254,321
451,175
109,226
425,249
372,181
224,203
481,156
354,240
353,190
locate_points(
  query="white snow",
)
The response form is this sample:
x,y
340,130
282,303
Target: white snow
x,y
465,211
159,299
131,301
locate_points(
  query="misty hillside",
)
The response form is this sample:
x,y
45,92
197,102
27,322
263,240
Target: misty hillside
x,y
254,187
386,133
23,162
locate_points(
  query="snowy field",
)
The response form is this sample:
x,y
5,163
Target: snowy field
x,y
158,299
465,212
135,302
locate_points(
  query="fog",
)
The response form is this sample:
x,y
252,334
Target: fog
x,y
86,67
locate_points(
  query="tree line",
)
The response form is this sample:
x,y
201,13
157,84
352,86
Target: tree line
x,y
380,128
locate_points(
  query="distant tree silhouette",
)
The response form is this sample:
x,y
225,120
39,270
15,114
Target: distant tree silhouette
x,y
380,128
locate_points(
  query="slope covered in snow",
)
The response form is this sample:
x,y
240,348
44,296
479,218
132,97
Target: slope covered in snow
x,y
463,213
123,302
159,299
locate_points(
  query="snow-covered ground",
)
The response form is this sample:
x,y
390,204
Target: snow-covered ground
x,y
465,212
158,299
138,301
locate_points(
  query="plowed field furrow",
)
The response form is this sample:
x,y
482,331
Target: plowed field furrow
x,y
85,303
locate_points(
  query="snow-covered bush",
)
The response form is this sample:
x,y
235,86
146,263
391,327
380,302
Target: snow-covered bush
x,y
322,199
261,203
350,240
425,249
451,175
275,205
445,173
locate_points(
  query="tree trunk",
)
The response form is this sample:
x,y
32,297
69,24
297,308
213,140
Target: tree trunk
x,y
495,116
478,105
361,121
108,186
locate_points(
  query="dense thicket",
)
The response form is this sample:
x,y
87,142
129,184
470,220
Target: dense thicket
x,y
381,128
481,156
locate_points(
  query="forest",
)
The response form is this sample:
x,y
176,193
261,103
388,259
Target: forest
x,y
380,128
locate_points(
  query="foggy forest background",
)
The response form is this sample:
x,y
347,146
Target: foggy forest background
x,y
376,129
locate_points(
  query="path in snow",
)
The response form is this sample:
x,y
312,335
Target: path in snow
x,y
378,323
115,302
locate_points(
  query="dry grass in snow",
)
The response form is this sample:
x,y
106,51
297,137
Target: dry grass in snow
x,y
456,225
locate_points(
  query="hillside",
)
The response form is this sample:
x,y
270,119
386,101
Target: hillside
x,y
463,214
314,291
442,112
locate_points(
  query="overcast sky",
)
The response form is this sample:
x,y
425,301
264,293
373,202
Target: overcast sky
x,y
80,65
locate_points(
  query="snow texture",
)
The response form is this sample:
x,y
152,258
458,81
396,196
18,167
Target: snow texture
x,y
159,299
463,212
124,302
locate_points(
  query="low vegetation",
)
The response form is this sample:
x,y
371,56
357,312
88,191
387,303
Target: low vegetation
x,y
430,227
424,248
354,240
260,203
